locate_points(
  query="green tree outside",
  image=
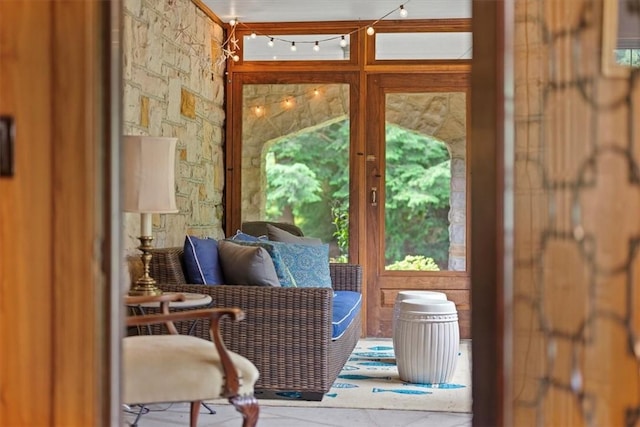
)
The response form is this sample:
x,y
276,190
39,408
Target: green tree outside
x,y
308,183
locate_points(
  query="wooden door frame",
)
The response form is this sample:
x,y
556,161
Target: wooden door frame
x,y
61,92
378,85
492,145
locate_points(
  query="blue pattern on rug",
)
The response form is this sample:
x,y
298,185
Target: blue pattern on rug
x,y
380,348
387,364
362,377
399,391
373,354
443,385
344,385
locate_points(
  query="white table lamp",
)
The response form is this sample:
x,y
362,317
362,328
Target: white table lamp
x,y
149,187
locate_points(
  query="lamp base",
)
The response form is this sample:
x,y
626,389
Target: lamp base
x,y
144,291
145,285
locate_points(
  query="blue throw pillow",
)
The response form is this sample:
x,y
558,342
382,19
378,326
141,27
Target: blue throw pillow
x,y
284,275
308,264
201,262
244,237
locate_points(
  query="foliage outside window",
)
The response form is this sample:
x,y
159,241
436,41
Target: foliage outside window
x,y
308,184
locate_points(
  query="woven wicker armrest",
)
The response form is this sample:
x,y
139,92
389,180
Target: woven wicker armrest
x,y
346,277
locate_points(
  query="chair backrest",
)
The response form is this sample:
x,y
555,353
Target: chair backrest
x,y
259,228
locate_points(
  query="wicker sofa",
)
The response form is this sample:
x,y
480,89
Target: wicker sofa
x,y
286,332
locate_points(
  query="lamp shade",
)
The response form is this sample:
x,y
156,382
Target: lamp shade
x,y
149,174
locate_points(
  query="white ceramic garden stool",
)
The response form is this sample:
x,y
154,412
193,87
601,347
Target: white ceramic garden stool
x,y
427,340
403,295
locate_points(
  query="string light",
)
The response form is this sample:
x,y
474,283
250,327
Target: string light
x,y
230,45
286,102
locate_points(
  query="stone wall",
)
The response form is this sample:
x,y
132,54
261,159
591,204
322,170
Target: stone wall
x,y
174,86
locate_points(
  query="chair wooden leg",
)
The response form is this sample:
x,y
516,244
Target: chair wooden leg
x,y
195,411
248,407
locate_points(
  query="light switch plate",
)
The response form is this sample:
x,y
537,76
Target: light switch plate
x,y
7,136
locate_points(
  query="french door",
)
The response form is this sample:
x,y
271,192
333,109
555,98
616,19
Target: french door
x,y
416,177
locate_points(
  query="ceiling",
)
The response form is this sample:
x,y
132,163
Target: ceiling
x,y
335,10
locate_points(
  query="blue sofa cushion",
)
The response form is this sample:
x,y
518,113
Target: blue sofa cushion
x,y
201,262
346,305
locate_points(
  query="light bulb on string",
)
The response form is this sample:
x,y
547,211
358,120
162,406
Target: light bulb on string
x,y
233,22
253,35
270,42
316,47
403,11
343,42
316,92
371,31
293,47
236,58
258,110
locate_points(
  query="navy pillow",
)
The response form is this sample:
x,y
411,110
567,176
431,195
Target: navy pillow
x,y
201,262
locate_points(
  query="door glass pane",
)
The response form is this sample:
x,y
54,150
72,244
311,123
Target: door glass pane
x,y
295,159
425,181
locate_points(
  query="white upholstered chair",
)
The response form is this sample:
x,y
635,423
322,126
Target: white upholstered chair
x,y
182,368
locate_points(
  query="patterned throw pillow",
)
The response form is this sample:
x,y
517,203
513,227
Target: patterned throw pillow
x,y
283,273
246,265
202,265
308,264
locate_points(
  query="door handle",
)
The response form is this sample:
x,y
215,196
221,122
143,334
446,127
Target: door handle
x,y
374,196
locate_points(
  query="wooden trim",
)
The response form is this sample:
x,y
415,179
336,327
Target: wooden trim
x,y
26,342
205,9
492,88
79,302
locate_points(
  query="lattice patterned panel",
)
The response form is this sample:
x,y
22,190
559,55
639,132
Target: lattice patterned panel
x,y
577,277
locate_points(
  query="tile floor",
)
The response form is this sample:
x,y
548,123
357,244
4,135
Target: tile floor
x,y
271,416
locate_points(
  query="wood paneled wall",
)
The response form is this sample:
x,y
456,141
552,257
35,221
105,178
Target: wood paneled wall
x,y
53,275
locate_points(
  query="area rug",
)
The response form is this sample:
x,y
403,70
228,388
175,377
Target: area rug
x,y
369,380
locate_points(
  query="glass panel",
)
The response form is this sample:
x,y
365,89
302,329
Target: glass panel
x,y
423,45
315,47
295,159
425,181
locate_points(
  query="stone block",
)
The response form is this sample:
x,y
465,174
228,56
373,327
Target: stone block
x,y
144,111
187,104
